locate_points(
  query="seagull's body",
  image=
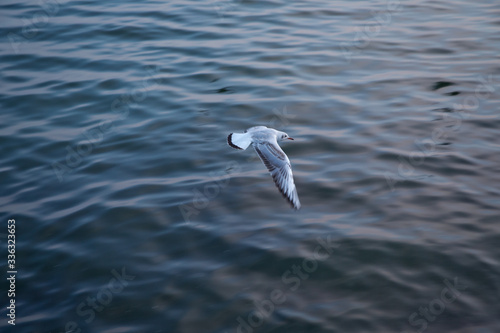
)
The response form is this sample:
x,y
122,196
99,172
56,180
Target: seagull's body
x,y
265,142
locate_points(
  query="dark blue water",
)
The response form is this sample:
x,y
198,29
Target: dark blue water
x,y
132,214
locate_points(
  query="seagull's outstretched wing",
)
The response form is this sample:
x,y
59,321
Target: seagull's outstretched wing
x,y
279,166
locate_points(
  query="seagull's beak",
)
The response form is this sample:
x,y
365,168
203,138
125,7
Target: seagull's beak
x,y
290,138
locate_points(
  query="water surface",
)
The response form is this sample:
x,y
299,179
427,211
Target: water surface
x,y
134,215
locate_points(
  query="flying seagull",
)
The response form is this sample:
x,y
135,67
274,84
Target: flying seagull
x,y
265,142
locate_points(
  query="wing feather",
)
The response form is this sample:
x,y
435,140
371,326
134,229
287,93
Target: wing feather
x,y
279,166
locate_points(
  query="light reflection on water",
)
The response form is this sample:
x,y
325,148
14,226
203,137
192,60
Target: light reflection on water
x,y
115,118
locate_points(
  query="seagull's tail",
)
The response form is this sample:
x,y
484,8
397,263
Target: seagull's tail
x,y
239,140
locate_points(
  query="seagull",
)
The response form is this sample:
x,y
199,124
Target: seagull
x,y
265,142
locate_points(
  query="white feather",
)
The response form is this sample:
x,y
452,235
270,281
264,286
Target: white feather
x,y
239,140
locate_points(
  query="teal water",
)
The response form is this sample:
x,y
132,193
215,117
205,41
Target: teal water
x,y
134,215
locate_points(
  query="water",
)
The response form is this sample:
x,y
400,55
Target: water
x,y
134,215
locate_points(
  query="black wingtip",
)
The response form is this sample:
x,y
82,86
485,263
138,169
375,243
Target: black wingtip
x,y
230,142
287,198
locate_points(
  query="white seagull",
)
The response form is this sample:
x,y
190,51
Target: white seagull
x,y
265,142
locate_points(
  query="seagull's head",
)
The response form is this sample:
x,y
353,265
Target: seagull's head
x,y
284,136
